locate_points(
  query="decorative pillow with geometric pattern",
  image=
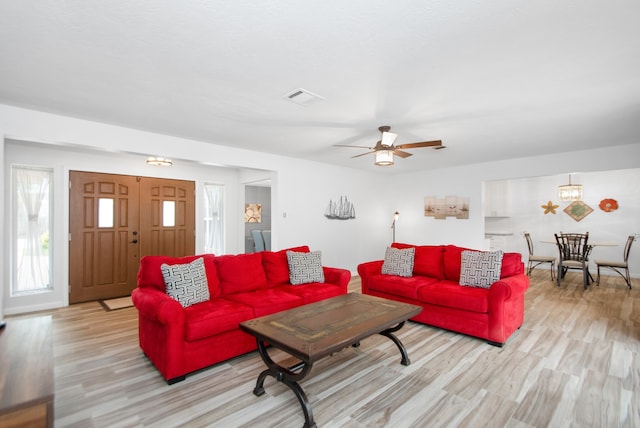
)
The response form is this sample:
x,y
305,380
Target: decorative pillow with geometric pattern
x,y
398,262
480,268
186,283
305,268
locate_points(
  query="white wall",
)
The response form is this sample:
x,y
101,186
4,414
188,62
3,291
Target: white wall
x,y
300,189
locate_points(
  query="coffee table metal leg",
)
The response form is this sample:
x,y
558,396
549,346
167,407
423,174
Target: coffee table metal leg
x,y
389,333
290,377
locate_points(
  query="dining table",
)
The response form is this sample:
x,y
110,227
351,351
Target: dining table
x,y
590,244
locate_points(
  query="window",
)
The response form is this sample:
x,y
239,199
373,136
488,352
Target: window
x,y
31,225
168,213
213,218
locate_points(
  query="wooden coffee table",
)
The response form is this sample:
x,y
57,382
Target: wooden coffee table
x,y
313,331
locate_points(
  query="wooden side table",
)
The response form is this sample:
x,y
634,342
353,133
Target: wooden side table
x,y
26,373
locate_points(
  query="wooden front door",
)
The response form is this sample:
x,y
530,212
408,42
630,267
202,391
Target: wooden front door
x,y
114,220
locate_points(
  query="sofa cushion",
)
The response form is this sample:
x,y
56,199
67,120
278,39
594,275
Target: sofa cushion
x,y
399,286
398,261
313,292
268,301
453,262
150,273
428,260
480,268
214,317
511,265
305,267
450,294
186,282
276,266
240,273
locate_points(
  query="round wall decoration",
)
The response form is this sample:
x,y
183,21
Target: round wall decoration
x,y
608,205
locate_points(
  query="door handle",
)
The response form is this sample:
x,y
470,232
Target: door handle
x,y
135,241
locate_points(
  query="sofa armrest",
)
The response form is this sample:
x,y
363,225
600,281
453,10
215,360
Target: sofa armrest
x,y
157,305
506,306
339,277
367,270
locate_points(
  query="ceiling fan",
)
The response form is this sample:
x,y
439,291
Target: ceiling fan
x,y
385,149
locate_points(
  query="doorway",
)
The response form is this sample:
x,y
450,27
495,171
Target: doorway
x,y
114,220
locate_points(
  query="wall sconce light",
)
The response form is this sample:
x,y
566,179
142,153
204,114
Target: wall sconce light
x,y
393,225
384,157
570,192
156,161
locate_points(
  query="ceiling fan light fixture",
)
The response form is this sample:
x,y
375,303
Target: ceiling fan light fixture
x,y
384,157
388,138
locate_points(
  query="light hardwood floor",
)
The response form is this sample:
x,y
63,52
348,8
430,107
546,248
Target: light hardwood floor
x,y
575,362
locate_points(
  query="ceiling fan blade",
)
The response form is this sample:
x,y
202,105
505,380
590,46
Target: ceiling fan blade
x,y
358,147
434,143
401,154
362,154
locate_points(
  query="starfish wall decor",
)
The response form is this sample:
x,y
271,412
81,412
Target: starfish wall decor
x,y
549,208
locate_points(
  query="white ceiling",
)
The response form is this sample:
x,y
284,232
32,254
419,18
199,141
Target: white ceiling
x,y
492,79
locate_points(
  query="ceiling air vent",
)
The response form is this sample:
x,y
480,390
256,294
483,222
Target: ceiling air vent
x,y
303,97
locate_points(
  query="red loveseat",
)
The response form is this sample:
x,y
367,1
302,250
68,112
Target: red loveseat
x,y
180,340
491,313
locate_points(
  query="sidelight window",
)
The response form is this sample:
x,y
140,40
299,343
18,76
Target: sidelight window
x,y
31,226
213,218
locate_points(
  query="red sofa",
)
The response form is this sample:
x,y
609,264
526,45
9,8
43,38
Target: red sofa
x,y
181,340
492,314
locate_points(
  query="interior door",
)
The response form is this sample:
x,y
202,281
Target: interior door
x,y
103,224
117,219
167,217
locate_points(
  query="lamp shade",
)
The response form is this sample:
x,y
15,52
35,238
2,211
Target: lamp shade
x,y
388,138
384,157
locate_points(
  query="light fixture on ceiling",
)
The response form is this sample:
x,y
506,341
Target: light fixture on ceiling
x,y
156,161
570,192
384,157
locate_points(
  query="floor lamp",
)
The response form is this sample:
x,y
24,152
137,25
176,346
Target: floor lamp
x,y
393,225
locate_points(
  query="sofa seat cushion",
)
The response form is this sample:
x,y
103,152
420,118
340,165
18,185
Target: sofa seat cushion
x,y
269,301
453,295
213,317
313,292
398,285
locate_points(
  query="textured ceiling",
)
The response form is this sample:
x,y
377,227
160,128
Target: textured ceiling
x,y
491,79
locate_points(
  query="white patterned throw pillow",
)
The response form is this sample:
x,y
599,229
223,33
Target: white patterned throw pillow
x,y
186,283
398,261
305,268
480,268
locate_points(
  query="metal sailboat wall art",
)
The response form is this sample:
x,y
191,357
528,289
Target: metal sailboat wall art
x,y
340,210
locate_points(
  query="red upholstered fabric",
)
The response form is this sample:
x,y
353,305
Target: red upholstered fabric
x,y
453,295
511,265
214,317
276,266
265,302
398,285
428,259
313,292
241,273
453,262
150,274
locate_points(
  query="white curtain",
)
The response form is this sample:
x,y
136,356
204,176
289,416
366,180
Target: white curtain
x,y
213,218
31,229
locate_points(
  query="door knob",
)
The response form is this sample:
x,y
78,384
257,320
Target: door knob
x,y
135,241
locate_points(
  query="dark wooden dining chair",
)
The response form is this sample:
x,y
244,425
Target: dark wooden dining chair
x,y
536,260
620,267
573,249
